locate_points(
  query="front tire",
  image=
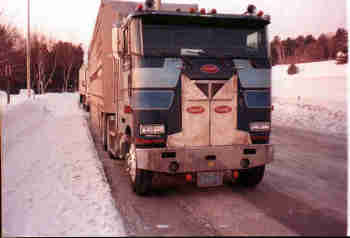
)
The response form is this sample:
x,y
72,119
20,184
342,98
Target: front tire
x,y
141,180
252,177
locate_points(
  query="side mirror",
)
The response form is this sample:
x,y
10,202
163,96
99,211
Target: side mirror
x,y
117,43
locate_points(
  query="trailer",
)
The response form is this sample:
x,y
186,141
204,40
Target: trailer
x,y
182,92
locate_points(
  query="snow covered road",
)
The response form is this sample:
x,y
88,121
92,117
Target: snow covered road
x,y
54,184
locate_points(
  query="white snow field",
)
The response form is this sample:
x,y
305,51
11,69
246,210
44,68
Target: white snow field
x,y
314,99
53,183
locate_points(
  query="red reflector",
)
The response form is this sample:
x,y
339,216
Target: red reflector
x,y
223,109
148,141
195,109
202,11
210,69
127,109
192,10
213,11
272,108
260,13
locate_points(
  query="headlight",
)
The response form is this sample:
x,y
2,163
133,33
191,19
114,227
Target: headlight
x,y
259,126
152,129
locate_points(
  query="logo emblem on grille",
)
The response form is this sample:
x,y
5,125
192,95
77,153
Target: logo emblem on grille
x,y
195,109
209,69
223,109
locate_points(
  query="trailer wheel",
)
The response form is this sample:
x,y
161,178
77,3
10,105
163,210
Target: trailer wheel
x,y
252,177
141,180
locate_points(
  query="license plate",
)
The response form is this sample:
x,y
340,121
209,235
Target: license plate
x,y
209,179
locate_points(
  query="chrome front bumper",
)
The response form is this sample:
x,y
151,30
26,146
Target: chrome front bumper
x,y
210,158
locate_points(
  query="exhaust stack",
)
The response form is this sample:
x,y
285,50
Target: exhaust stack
x,y
158,5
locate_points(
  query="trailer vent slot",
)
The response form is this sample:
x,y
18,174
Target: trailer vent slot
x,y
249,151
169,155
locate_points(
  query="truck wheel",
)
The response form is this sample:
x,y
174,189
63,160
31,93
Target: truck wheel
x,y
104,132
141,180
124,149
252,177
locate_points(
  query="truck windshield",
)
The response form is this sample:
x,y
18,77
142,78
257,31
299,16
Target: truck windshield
x,y
156,72
236,42
152,99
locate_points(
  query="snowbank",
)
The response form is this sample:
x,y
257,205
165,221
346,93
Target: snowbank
x,y
53,182
3,97
314,99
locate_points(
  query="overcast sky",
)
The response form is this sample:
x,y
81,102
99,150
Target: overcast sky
x,y
74,19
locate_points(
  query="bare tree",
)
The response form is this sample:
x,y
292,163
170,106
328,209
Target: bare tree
x,y
52,62
71,58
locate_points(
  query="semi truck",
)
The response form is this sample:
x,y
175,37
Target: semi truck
x,y
83,86
184,92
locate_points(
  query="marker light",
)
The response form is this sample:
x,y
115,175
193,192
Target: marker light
x,y
202,11
235,174
127,109
188,177
251,9
260,13
192,10
149,3
213,11
139,8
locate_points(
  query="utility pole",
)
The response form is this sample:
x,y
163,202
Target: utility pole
x,y
28,51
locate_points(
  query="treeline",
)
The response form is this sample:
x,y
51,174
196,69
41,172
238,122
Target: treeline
x,y
308,48
54,64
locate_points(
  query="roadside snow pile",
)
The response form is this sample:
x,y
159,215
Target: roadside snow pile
x,y
3,97
53,182
314,99
309,117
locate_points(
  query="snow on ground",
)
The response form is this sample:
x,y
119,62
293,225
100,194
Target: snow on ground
x,y
53,182
314,99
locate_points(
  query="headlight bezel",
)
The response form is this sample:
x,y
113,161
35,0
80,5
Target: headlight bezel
x,y
151,129
260,126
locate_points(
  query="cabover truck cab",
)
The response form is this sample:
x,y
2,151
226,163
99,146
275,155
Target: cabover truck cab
x,y
193,97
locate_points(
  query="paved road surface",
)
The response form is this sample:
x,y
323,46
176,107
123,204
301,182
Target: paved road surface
x,y
303,193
